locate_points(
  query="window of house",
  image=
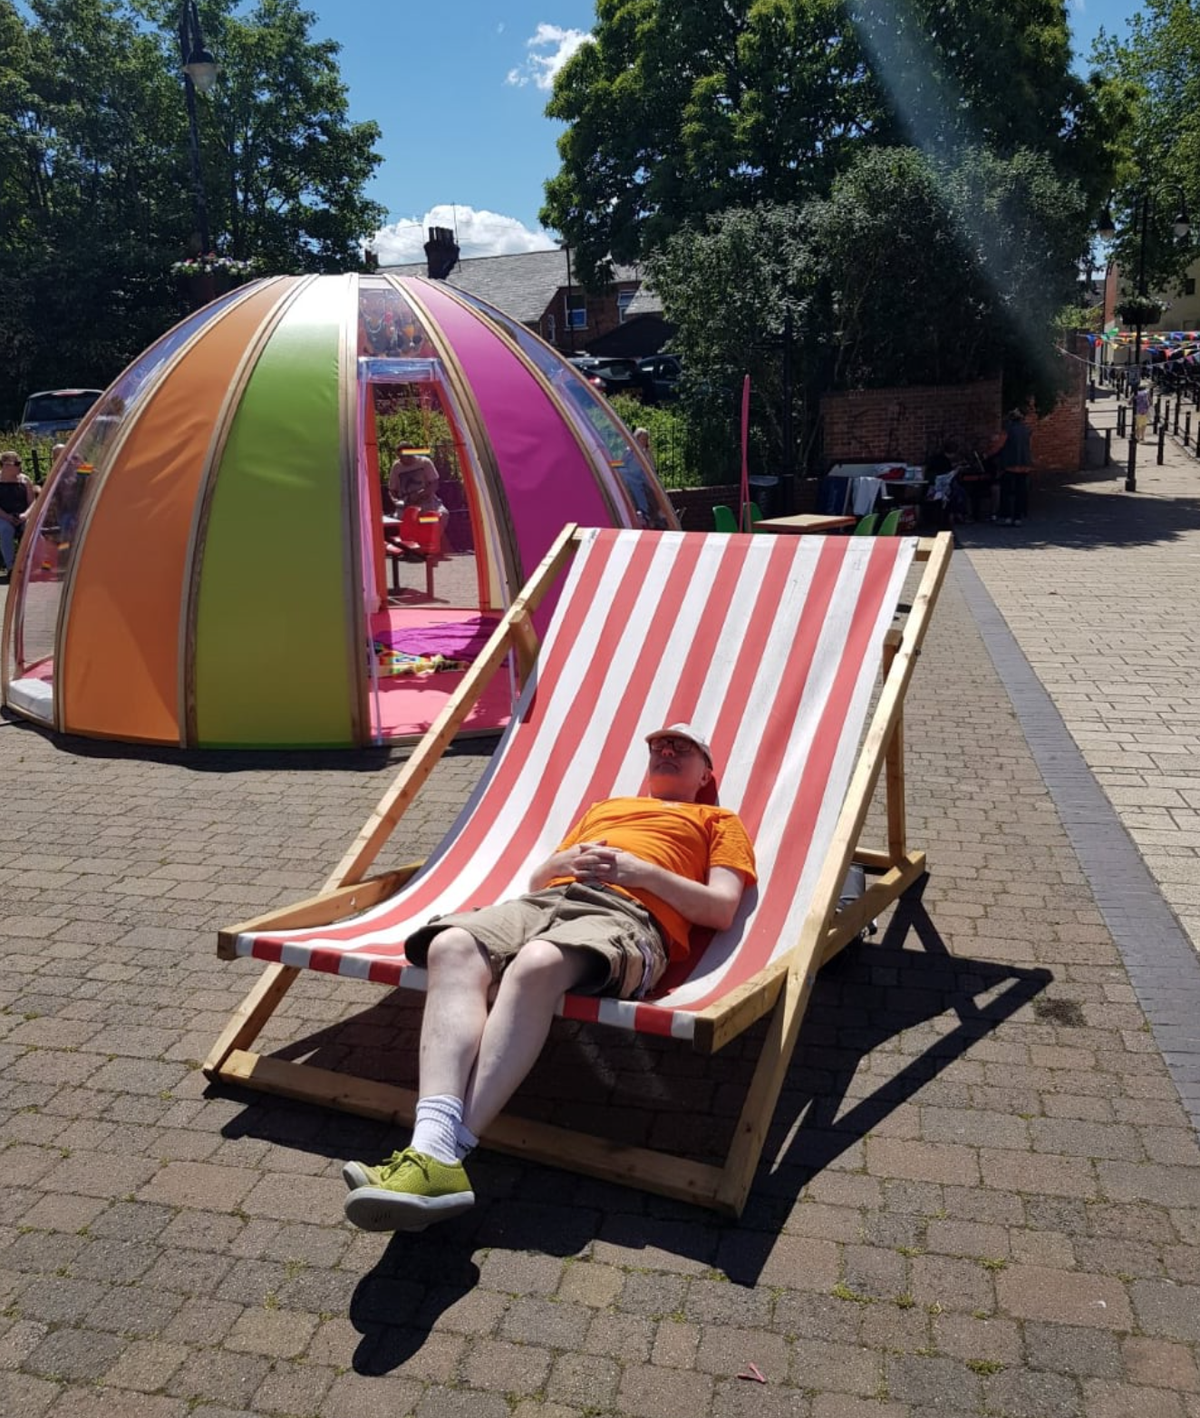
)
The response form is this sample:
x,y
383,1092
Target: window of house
x,y
624,300
1189,285
576,305
551,328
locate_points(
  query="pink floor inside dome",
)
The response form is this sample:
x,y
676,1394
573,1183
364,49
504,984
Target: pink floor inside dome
x,y
408,704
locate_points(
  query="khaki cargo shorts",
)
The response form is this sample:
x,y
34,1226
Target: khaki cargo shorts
x,y
614,927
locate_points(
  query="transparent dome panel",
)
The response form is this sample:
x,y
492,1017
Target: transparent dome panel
x,y
388,326
74,479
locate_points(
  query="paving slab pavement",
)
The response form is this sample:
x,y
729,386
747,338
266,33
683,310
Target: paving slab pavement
x,y
982,1188
1100,589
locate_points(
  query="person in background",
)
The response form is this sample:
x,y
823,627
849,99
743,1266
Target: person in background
x,y
641,436
1014,458
977,476
1141,411
413,482
17,496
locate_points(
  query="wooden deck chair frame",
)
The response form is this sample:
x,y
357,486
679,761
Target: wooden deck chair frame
x,y
782,989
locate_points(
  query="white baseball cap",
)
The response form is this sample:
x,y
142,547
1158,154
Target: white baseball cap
x,y
683,731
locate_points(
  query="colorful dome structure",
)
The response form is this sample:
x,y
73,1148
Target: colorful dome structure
x,y
212,562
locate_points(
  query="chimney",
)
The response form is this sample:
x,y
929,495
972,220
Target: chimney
x,y
441,252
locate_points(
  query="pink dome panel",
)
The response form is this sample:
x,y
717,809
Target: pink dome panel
x,y
542,466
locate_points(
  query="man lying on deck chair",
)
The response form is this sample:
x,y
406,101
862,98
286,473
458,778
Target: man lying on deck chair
x,y
603,916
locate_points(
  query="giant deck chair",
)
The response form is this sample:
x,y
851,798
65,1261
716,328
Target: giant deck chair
x,y
773,646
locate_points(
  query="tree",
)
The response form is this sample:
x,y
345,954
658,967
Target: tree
x,y
676,111
95,196
85,106
728,290
945,271
1157,68
284,168
911,271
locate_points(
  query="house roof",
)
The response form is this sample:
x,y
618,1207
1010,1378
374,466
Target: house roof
x,y
522,284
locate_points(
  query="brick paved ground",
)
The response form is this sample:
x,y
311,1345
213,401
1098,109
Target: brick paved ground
x,y
1100,591
983,1194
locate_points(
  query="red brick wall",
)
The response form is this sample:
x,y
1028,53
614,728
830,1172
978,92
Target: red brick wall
x,y
1060,439
907,425
603,316
874,425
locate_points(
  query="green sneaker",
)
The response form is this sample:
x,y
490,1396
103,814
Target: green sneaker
x,y
406,1193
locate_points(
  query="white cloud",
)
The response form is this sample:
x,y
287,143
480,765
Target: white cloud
x,y
549,49
480,233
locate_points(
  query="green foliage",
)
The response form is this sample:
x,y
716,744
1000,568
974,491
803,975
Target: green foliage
x,y
284,167
728,290
909,272
35,452
676,112
942,272
1157,68
671,439
1139,310
96,199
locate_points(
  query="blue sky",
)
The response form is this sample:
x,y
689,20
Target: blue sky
x,y
460,91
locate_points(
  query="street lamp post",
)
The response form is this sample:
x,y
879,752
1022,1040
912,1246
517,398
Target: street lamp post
x,y
199,75
1143,207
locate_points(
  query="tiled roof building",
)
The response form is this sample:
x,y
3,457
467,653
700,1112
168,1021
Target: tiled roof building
x,y
538,289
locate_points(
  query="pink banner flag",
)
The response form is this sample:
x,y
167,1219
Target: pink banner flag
x,y
743,510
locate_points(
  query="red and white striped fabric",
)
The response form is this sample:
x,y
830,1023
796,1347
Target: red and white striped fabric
x,y
769,645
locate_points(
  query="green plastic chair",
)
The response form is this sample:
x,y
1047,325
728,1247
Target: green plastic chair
x,y
753,516
724,519
866,526
890,526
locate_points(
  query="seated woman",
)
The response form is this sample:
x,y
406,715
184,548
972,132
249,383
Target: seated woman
x,y
17,496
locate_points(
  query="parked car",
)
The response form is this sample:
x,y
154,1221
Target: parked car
x,y
612,374
665,370
54,413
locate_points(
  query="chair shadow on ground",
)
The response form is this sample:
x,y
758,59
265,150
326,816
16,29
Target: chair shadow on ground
x,y
901,990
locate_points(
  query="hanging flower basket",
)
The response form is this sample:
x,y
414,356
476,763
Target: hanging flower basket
x,y
1139,310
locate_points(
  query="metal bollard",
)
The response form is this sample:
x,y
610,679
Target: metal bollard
x,y
1178,403
1091,391
1187,427
1120,420
1107,446
1162,440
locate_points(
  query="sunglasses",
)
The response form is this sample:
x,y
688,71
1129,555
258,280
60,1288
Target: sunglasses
x,y
679,747
11,462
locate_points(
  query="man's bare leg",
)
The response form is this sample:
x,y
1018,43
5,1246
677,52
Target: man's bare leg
x,y
425,1183
476,1059
456,1012
517,1025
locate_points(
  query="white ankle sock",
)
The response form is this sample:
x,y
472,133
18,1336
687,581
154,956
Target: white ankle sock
x,y
465,1141
436,1131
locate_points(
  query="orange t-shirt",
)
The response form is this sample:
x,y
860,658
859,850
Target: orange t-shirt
x,y
685,838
